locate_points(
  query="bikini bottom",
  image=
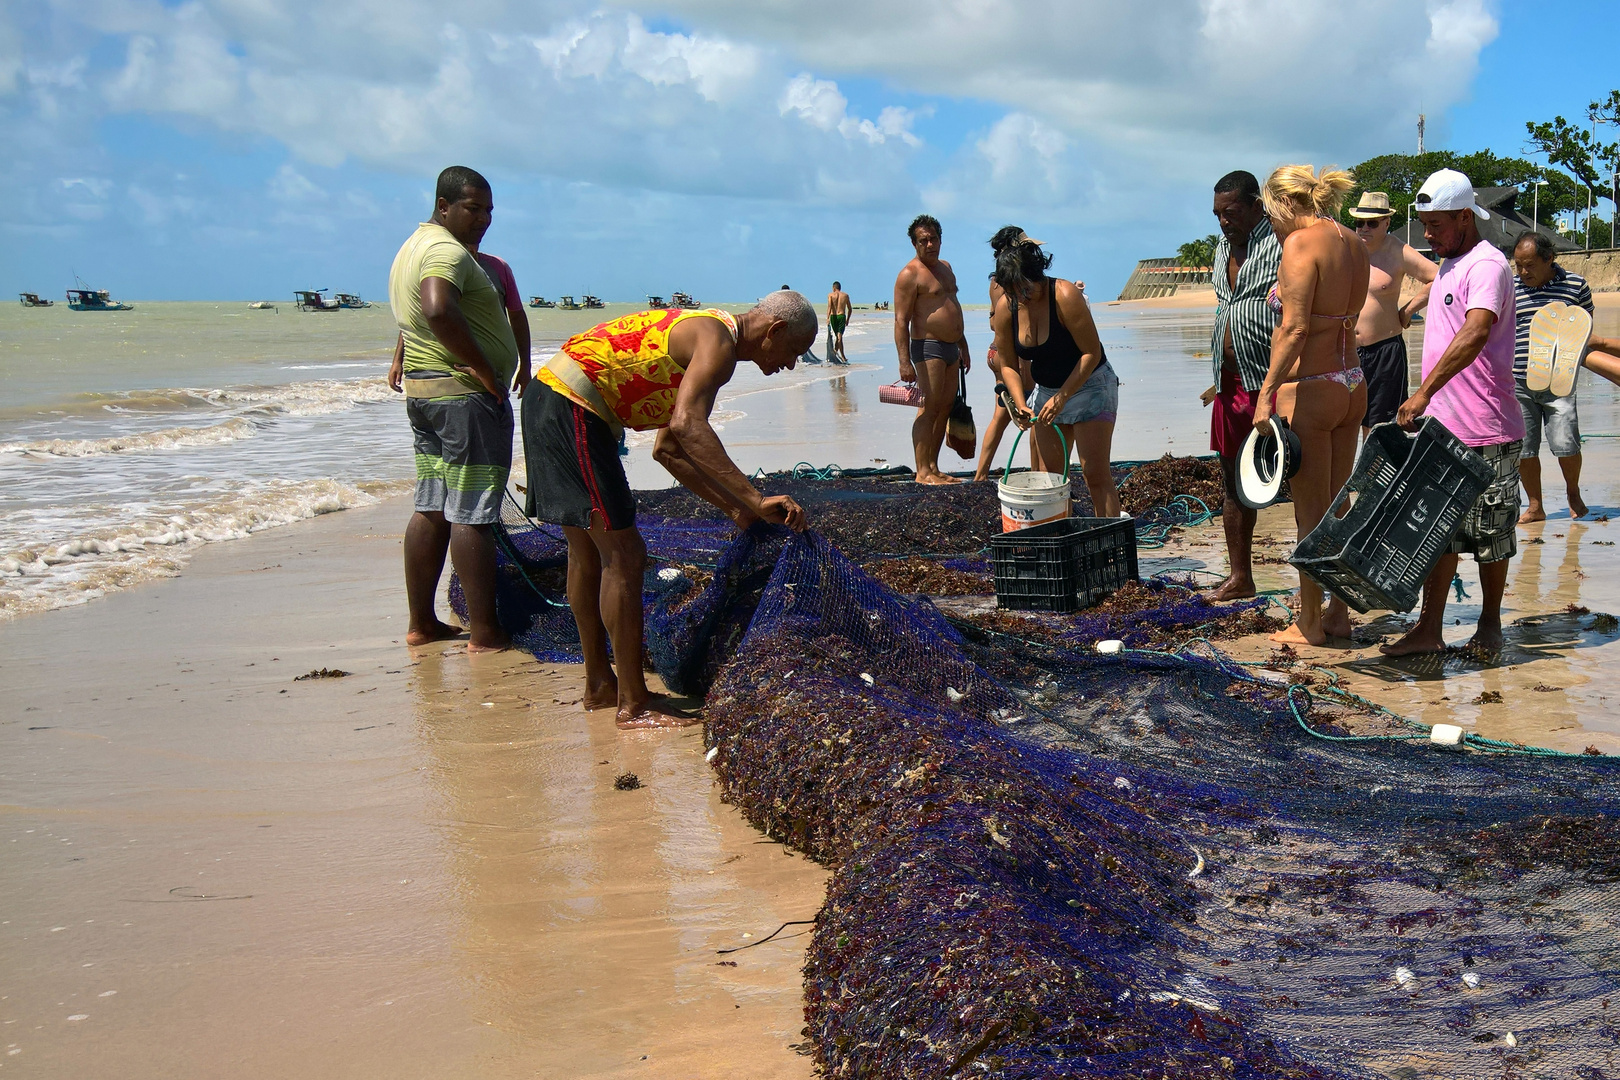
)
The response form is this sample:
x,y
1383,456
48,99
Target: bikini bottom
x,y
1349,378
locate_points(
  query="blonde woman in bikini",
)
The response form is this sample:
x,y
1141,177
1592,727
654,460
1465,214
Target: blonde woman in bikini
x,y
1315,381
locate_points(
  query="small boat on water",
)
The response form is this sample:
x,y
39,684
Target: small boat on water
x,y
312,300
28,299
351,302
592,301
263,305
655,301
95,300
683,300
541,302
568,304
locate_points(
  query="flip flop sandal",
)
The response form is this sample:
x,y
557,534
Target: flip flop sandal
x,y
1574,331
1538,364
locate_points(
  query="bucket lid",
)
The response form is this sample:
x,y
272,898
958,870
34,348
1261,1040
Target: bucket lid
x,y
1265,463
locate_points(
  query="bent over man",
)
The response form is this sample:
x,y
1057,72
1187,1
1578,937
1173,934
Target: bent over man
x,y
654,370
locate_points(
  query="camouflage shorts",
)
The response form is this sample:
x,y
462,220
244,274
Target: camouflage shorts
x,y
1490,531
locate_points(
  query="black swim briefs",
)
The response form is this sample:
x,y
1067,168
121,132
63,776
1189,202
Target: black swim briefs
x,y
929,349
573,463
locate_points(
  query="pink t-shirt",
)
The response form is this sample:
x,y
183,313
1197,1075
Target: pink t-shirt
x,y
500,275
1478,403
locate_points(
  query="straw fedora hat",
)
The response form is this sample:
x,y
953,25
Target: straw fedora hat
x,y
1373,204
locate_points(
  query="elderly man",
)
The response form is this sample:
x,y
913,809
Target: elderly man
x,y
457,356
654,370
1468,387
1380,338
1245,269
1541,282
929,334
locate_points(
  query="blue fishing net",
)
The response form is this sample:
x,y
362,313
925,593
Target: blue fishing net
x,y
1049,863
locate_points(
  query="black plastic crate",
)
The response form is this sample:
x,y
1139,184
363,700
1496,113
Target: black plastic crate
x,y
1408,497
1063,565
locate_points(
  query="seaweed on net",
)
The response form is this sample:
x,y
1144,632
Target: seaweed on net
x,y
918,575
1049,863
1157,483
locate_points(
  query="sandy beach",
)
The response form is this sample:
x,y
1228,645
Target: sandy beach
x,y
421,869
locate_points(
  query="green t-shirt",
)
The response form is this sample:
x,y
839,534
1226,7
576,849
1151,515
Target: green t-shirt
x,y
432,251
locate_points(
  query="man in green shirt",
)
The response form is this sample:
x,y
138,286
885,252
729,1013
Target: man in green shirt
x,y
459,358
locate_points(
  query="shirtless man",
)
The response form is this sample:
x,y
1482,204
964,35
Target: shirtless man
x,y
1379,344
929,336
838,309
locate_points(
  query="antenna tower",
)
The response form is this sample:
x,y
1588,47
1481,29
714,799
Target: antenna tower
x,y
1420,132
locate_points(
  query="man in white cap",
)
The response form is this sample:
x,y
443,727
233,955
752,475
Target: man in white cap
x,y
1468,386
1380,343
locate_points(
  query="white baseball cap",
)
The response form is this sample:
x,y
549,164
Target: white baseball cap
x,y
1448,189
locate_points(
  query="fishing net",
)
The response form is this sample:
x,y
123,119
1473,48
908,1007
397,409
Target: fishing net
x,y
1048,862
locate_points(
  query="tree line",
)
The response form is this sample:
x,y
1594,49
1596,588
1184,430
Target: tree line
x,y
1591,165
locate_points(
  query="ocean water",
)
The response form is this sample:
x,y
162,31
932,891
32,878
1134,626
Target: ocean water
x,y
127,439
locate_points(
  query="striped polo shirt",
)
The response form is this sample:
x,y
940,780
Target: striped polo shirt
x,y
1244,307
1570,288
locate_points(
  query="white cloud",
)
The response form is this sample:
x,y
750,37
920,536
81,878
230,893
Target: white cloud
x,y
818,103
289,185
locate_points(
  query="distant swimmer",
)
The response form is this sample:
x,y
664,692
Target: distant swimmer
x,y
929,336
1380,340
838,309
457,356
651,371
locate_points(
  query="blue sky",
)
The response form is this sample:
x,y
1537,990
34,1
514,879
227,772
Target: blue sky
x,y
240,149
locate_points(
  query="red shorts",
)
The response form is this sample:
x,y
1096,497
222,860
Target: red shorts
x,y
1232,418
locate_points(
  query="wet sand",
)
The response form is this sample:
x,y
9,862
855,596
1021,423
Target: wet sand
x,y
422,869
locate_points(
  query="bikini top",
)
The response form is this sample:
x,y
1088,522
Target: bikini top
x,y
1347,320
1052,361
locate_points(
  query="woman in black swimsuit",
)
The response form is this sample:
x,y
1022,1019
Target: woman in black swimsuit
x,y
1045,322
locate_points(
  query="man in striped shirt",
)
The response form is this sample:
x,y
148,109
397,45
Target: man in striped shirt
x,y
1541,282
1245,269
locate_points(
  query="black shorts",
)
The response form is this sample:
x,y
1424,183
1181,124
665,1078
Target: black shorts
x,y
573,463
1384,365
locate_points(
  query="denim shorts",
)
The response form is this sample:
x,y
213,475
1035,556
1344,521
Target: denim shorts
x,y
1557,416
1097,398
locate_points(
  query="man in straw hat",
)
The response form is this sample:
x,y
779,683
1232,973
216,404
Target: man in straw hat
x,y
1468,386
1379,344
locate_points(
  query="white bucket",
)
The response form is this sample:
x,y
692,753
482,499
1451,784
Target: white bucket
x,y
1032,498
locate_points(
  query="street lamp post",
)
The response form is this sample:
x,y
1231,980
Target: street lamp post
x,y
1535,213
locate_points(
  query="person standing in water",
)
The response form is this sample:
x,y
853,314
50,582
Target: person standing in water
x,y
932,343
457,357
1468,386
651,371
838,309
1046,324
1245,269
1380,344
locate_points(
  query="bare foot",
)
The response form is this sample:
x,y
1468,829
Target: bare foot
x,y
490,644
1577,506
1336,620
937,478
1534,513
434,631
1486,643
1415,642
631,720
1292,634
605,696
1233,588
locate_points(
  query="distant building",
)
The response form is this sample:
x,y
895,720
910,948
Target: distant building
x,y
1164,277
1504,228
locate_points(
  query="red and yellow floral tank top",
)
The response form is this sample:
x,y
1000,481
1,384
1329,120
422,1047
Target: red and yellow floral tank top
x,y
628,361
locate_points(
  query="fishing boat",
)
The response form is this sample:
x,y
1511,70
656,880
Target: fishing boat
x,y
568,304
312,300
28,299
95,300
683,300
351,301
655,301
542,302
592,301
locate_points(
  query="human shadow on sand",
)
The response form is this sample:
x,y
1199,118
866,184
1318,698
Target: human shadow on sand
x,y
1534,637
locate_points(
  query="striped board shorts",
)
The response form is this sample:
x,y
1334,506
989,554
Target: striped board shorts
x,y
463,455
1490,530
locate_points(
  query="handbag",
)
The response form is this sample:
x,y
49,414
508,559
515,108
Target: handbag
x,y
961,434
901,393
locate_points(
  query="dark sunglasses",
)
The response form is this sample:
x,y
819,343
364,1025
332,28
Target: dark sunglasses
x,y
1367,223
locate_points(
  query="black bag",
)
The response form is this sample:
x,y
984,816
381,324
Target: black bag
x,y
961,434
